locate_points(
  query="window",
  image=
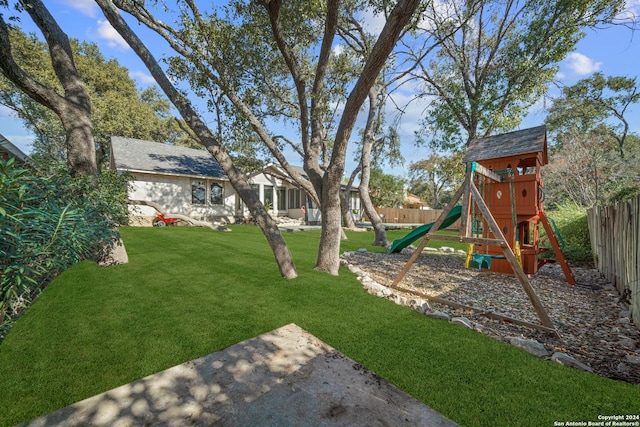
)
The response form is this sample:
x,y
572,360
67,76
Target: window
x,y
353,199
310,204
294,198
216,193
198,192
268,196
282,199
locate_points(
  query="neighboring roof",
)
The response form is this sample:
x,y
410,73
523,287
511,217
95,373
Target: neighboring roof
x,y
517,143
136,155
412,199
7,149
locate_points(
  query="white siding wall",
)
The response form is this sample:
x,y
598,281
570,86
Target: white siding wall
x,y
264,182
173,194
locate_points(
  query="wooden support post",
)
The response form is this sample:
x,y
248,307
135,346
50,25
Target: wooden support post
x,y
470,193
466,205
562,260
425,240
508,253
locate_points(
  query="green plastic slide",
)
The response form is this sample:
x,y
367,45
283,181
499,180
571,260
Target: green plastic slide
x,y
416,233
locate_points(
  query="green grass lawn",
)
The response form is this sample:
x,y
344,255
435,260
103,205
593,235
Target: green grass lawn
x,y
187,292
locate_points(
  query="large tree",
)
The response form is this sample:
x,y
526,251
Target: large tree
x,y
435,179
73,106
273,48
207,138
595,104
387,190
593,152
118,106
500,61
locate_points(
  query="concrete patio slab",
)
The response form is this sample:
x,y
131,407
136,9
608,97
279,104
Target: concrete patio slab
x,y
286,377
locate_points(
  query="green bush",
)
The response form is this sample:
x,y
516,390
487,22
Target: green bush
x,y
571,221
47,224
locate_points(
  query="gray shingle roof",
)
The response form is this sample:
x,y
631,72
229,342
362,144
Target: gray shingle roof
x,y
146,156
7,149
517,143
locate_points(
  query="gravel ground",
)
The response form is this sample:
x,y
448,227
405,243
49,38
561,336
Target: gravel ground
x,y
592,321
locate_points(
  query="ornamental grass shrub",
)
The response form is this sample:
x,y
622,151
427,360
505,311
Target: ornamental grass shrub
x,y
48,222
571,222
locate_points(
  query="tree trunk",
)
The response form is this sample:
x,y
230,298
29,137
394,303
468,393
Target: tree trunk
x,y
377,224
74,108
81,147
367,144
346,209
208,139
329,250
328,259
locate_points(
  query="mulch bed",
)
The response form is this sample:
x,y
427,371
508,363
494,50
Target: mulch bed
x,y
592,321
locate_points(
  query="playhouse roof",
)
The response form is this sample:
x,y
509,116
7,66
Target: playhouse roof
x,y
517,143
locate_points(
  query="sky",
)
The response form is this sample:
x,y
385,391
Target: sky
x,y
612,51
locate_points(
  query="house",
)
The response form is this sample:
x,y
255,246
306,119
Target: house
x,y
411,201
190,182
8,150
296,197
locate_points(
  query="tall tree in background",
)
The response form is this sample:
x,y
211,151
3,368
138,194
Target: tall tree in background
x,y
436,178
118,106
272,46
387,190
595,104
376,145
74,106
594,157
484,79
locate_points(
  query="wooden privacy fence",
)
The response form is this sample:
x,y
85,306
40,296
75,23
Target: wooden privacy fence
x,y
411,216
615,243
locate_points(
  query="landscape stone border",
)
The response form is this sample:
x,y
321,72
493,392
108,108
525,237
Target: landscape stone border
x,y
422,306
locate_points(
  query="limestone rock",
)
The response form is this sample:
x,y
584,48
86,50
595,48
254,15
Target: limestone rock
x,y
623,368
438,315
634,360
384,292
462,321
566,360
528,345
447,249
418,304
117,255
357,271
626,343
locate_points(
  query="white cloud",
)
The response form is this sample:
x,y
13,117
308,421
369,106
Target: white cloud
x,y
108,33
582,64
373,22
86,7
142,77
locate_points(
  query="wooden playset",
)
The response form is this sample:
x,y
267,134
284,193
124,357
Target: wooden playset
x,y
515,201
502,209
